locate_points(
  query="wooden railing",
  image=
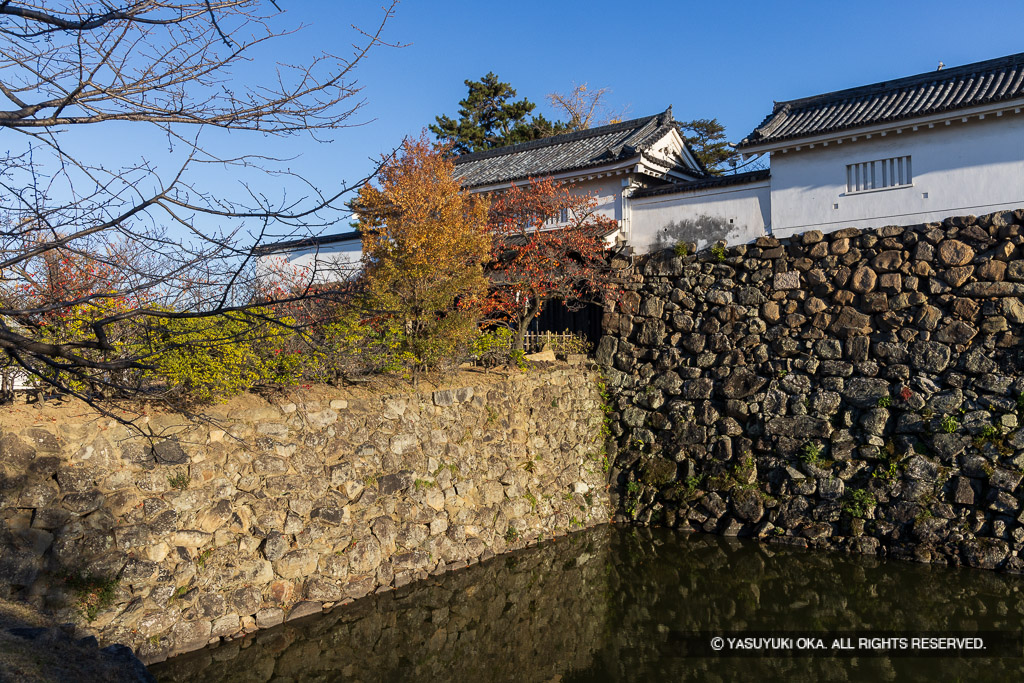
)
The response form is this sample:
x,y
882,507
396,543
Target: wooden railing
x,y
559,342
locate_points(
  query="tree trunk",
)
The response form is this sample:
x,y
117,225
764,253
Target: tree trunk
x,y
524,323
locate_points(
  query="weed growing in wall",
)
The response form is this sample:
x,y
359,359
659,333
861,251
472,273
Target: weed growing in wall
x,y
204,557
811,454
949,424
632,498
179,480
92,593
857,502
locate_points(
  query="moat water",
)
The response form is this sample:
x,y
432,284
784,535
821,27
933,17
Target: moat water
x,y
614,604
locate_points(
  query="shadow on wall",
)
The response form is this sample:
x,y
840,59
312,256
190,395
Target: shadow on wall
x,y
509,618
34,647
704,230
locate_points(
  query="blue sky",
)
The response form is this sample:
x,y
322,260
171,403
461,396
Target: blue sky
x,y
728,60
722,59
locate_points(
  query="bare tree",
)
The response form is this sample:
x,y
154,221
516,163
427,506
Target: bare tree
x,y
166,244
585,108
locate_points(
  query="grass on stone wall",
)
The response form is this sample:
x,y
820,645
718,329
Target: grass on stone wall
x,y
92,593
811,454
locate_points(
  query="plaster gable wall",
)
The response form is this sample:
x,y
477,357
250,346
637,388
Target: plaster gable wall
x,y
671,149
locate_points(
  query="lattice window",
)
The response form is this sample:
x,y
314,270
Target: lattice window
x,y
879,174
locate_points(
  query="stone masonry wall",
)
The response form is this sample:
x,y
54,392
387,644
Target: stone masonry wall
x,y
512,611
268,511
856,390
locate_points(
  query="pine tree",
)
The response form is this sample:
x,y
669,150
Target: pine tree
x,y
706,138
491,117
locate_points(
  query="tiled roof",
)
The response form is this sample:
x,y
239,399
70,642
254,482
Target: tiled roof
x,y
717,181
934,92
304,243
566,152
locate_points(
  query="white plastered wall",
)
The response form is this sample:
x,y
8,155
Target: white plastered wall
x,y
738,214
326,263
972,167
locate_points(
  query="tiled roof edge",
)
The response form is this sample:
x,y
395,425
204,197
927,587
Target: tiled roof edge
x,y
289,245
716,181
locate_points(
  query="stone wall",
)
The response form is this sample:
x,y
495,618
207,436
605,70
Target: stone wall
x,y
264,511
507,619
858,390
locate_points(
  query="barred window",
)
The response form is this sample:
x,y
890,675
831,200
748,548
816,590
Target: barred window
x,y
879,174
560,218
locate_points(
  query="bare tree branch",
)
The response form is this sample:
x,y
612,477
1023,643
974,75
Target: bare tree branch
x,y
94,252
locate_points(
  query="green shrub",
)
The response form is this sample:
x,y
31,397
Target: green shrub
x,y
353,345
681,249
493,347
73,325
718,252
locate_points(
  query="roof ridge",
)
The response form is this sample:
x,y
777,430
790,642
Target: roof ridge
x,y
993,80
562,138
940,75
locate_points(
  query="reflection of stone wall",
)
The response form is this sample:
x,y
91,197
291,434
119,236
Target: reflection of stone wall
x,y
620,604
859,389
664,586
276,510
532,615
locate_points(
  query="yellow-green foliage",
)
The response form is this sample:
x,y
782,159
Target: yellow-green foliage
x,y
494,347
73,325
350,345
213,357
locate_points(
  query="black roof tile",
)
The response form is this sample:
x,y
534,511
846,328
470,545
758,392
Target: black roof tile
x,y
995,80
566,152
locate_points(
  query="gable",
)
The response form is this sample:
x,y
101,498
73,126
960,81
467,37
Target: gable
x,y
618,145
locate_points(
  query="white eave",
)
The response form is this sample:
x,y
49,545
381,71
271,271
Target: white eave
x,y
997,109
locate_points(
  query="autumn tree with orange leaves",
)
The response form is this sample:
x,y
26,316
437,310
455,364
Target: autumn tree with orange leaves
x,y
548,243
425,242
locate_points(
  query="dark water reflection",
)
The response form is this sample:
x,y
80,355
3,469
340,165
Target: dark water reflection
x,y
610,605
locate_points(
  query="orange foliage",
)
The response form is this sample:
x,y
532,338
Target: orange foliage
x,y
425,240
547,244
